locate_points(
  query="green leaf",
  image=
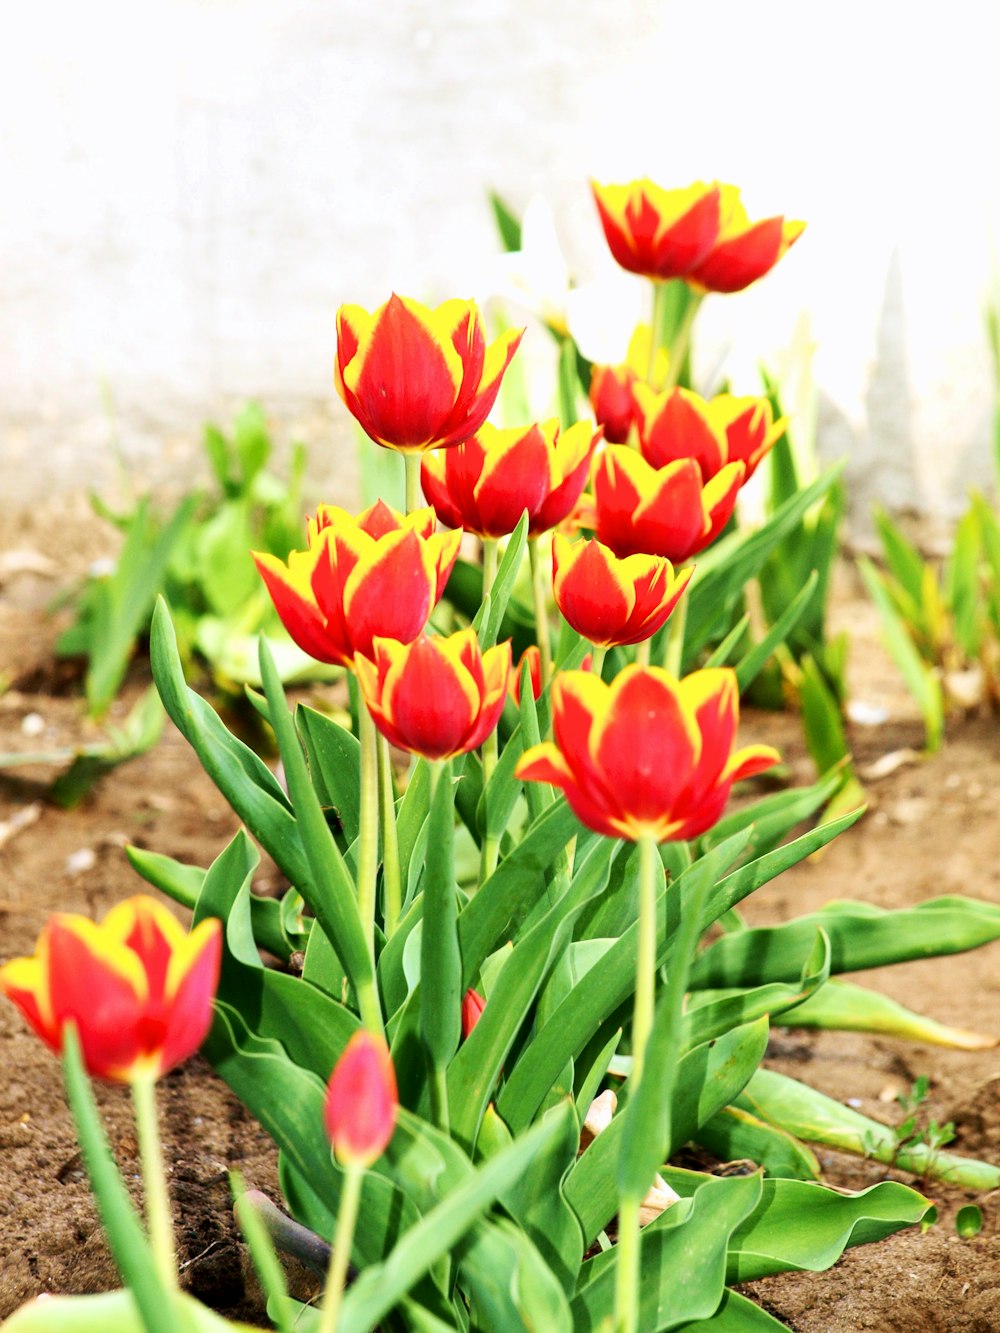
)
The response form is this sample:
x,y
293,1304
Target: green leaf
x,y
440,959
812,1116
737,1314
118,1311
750,666
334,755
724,570
799,1224
969,1221
715,1012
848,1008
509,1284
329,890
861,936
961,580
683,1259
708,1078
244,779
772,817
735,1135
508,223
920,680
496,604
381,1286
475,1069
902,558
311,1027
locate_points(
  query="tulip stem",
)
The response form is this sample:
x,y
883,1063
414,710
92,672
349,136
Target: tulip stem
x,y
343,1238
491,745
412,464
541,614
673,651
681,340
627,1267
158,1218
656,321
391,882
597,660
642,653
368,831
627,1275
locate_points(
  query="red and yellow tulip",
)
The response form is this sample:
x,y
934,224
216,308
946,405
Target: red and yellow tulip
x,y
750,428
361,1101
377,574
437,697
743,251
610,600
485,484
137,987
658,233
647,755
612,387
416,378
679,424
666,511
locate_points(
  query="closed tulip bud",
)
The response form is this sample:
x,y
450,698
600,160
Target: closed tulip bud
x,y
646,755
612,388
138,988
658,233
668,511
473,1005
487,483
613,601
361,1101
743,251
378,574
531,659
437,697
416,378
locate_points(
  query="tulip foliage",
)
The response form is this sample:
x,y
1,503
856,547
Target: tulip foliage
x,y
502,1002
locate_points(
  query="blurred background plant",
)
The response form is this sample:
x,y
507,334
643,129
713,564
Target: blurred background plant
x,y
198,555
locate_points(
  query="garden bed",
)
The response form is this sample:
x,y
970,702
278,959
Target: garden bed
x,y
931,830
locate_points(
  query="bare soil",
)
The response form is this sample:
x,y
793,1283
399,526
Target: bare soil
x,y
931,830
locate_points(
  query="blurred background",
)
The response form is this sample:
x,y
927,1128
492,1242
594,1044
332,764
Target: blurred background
x,y
192,188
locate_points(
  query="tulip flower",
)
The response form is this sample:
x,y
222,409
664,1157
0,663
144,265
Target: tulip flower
x,y
743,251
658,233
668,511
437,697
137,987
678,424
749,426
611,601
361,1101
612,388
379,574
647,756
486,484
416,378
532,659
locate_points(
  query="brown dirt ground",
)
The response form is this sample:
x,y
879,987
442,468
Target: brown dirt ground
x,y
931,830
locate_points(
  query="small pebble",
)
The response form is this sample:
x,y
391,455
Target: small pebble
x,y
854,1101
78,862
33,724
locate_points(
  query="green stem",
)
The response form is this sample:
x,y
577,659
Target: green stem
x,y
627,1268
391,879
368,832
413,496
597,656
541,612
627,1275
682,339
642,653
656,318
673,652
490,849
158,1218
343,1239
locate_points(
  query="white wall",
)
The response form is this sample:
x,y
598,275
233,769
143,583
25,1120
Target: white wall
x,y
191,189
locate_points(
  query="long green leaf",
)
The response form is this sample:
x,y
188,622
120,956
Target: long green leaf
x,y
735,1135
848,1008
